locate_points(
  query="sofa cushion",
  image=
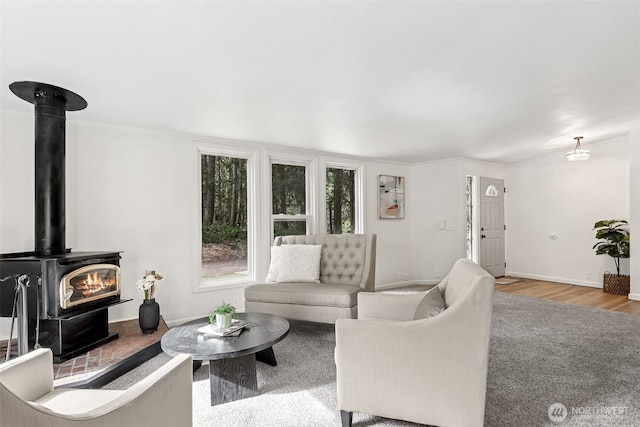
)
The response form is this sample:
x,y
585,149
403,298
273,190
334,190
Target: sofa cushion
x,y
70,401
304,293
431,304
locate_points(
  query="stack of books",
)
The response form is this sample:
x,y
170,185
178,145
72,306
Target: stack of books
x,y
232,331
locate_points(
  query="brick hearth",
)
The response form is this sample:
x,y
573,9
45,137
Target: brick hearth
x,y
101,364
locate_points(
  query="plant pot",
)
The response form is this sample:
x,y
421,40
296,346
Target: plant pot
x,y
149,316
618,285
223,321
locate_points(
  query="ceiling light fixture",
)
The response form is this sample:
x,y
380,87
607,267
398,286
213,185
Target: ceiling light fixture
x,y
578,154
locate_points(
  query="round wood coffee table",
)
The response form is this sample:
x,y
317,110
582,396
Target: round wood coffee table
x,y
232,360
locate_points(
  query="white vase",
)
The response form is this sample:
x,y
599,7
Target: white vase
x,y
223,321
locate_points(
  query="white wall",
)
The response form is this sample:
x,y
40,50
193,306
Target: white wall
x,y
136,194
440,194
134,190
393,260
634,180
16,184
551,194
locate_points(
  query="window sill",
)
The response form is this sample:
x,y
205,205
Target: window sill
x,y
216,285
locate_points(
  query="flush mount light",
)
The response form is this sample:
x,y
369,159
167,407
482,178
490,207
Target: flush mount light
x,y
578,154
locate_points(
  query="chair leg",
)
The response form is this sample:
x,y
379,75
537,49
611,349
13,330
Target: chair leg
x,y
346,417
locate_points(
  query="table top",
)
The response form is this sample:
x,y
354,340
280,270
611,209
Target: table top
x,y
264,331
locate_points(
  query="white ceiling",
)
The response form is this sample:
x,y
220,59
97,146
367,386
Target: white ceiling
x,y
409,81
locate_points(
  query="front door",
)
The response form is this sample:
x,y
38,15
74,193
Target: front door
x,y
491,247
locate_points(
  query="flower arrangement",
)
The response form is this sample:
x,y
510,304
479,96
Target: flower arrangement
x,y
147,284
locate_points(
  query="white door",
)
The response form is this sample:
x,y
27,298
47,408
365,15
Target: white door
x,y
491,247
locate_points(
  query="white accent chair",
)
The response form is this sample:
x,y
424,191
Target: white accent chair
x,y
431,371
27,397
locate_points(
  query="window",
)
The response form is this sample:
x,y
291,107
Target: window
x,y
289,205
344,196
492,191
340,200
247,196
469,211
224,213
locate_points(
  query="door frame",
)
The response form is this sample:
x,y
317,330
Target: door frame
x,y
474,234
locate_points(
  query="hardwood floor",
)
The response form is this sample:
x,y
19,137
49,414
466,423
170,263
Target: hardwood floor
x,y
572,294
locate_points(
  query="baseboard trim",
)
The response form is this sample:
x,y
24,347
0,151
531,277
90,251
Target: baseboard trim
x,y
555,279
178,322
634,297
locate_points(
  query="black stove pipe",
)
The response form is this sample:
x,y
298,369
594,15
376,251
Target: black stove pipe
x,y
51,103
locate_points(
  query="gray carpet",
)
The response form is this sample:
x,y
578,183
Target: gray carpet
x,y
541,353
545,352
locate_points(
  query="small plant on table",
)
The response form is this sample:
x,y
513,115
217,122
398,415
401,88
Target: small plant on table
x,y
223,315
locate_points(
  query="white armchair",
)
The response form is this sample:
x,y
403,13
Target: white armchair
x,y
27,397
431,370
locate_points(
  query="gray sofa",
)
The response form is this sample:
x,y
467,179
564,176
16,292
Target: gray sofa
x,y
347,267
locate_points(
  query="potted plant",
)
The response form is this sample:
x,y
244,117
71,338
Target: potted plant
x,y
614,235
222,316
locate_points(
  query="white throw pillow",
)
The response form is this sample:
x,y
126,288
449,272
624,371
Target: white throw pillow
x,y
298,263
272,275
431,304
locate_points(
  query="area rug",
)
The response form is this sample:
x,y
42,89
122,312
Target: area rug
x,y
548,360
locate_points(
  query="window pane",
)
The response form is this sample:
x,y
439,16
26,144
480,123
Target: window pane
x,y
288,189
492,191
289,228
224,217
341,206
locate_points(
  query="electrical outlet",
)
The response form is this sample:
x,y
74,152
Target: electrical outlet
x,y
588,275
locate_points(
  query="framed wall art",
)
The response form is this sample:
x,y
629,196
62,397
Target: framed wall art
x,y
390,197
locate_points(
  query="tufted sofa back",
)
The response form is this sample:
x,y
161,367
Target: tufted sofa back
x,y
347,259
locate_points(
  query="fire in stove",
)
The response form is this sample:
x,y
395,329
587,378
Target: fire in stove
x,y
89,284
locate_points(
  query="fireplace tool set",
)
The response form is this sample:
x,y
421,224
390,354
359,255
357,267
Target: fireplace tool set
x,y
19,312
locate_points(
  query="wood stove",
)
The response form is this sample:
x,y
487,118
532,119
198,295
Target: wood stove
x,y
59,316
68,293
